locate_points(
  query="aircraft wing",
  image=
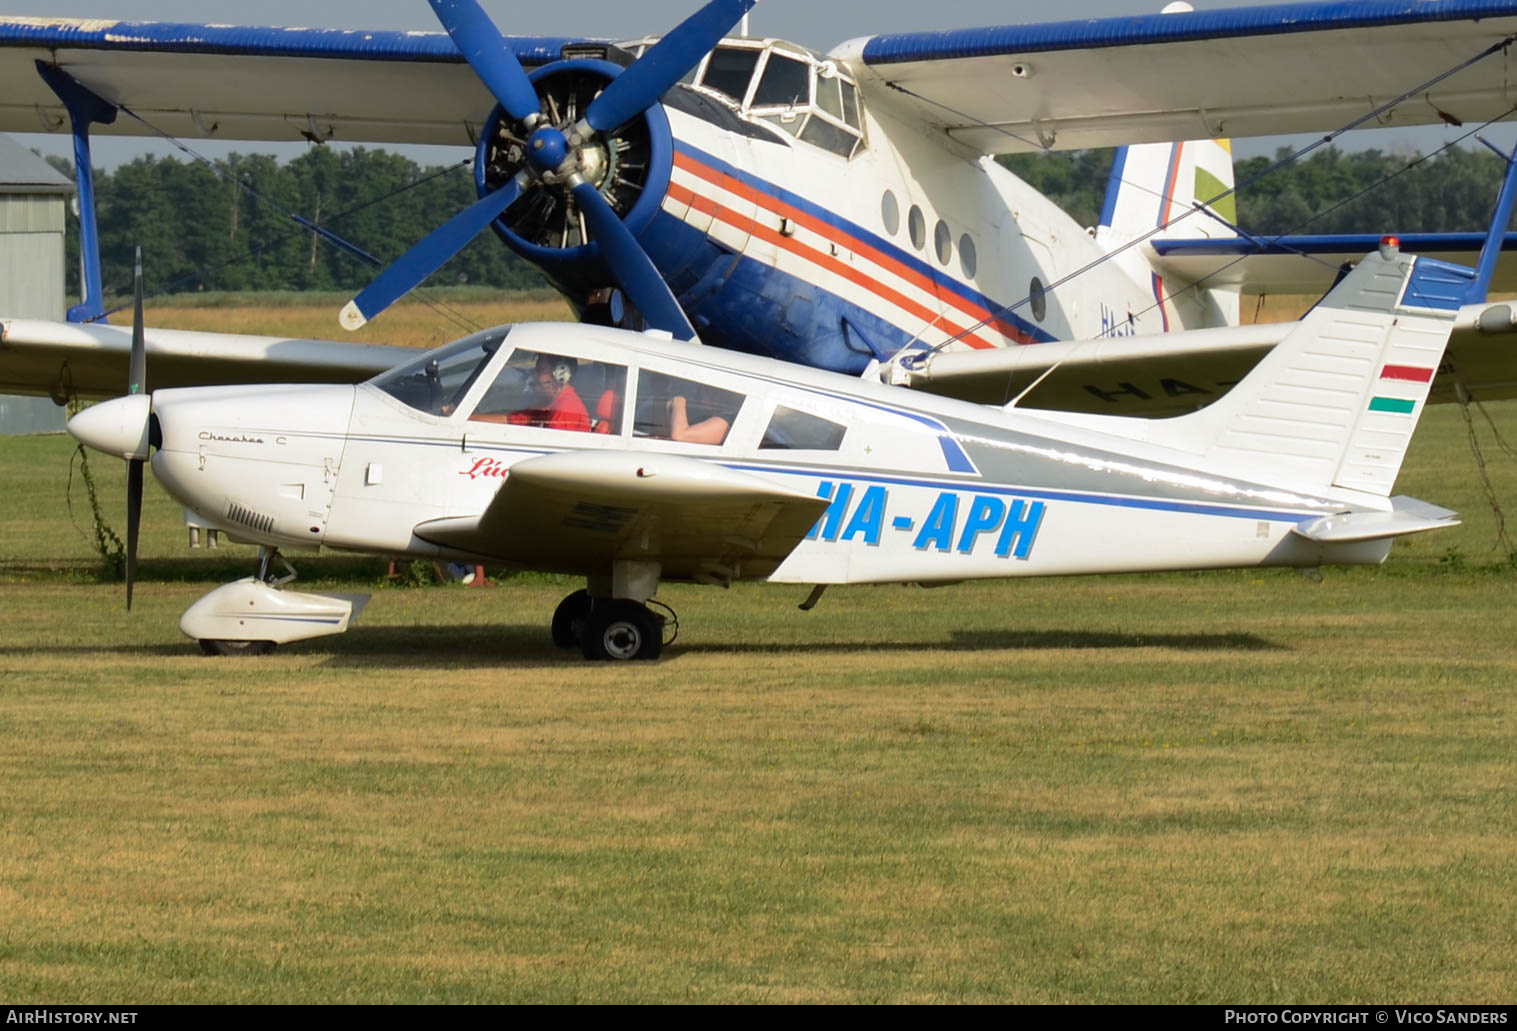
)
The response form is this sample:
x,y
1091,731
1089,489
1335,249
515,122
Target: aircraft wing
x,y
244,83
1173,373
1309,264
1251,71
577,511
89,361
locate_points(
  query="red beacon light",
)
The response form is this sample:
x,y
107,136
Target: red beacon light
x,y
1390,246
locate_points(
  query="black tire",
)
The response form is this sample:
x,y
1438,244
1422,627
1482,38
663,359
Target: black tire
x,y
569,619
622,630
216,646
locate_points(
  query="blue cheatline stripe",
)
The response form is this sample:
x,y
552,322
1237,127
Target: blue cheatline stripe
x,y
1095,33
891,250
1151,504
976,487
259,41
1352,244
1113,187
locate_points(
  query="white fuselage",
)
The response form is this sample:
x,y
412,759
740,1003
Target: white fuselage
x,y
921,488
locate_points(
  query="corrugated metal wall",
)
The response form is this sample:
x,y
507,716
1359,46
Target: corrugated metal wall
x,y
31,287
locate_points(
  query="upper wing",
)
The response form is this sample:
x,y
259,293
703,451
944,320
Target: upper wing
x,y
244,83
1174,373
579,511
1253,71
67,360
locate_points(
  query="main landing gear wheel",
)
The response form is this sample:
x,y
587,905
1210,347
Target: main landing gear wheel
x,y
569,619
621,630
214,646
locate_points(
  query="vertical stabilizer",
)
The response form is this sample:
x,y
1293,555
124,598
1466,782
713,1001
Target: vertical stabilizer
x,y
1159,186
1335,403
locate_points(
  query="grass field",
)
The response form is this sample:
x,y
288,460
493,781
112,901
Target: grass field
x,y
1237,786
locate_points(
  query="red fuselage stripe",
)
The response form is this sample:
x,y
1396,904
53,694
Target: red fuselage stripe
x,y
834,235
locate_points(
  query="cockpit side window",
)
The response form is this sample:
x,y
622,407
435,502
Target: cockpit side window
x,y
786,83
670,408
555,392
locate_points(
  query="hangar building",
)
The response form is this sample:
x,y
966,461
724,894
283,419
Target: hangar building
x,y
34,198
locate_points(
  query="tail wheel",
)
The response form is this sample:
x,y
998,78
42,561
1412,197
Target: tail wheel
x,y
622,630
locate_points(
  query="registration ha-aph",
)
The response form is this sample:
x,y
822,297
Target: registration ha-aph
x,y
632,459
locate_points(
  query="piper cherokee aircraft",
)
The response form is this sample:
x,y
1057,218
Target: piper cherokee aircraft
x,y
835,209
635,458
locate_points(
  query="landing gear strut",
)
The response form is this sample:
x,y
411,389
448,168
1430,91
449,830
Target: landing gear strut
x,y
252,615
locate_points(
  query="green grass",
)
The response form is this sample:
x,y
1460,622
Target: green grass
x,y
1237,786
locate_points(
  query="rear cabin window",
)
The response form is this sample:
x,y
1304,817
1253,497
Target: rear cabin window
x,y
670,408
556,392
801,431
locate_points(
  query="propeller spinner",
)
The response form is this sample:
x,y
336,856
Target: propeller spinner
x,y
568,162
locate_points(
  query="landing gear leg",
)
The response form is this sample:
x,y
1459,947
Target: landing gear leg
x,y
609,619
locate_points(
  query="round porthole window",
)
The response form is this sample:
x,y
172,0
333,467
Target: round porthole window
x,y
968,261
942,242
1039,298
890,213
917,224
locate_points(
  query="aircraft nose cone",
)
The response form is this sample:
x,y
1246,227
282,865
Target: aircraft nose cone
x,y
118,427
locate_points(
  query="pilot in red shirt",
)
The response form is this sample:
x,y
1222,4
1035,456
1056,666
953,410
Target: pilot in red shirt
x,y
564,411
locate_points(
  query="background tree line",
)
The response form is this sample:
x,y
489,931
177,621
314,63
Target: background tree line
x,y
230,228
1331,191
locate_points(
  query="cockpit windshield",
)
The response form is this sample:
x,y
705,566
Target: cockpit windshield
x,y
437,381
784,87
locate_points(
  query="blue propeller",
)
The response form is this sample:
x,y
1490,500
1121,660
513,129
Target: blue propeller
x,y
430,255
656,72
489,55
553,157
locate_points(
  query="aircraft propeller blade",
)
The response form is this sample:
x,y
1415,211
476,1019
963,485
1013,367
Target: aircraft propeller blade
x,y
430,254
133,522
136,383
634,270
655,73
136,376
489,54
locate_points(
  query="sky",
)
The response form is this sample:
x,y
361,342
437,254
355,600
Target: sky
x,y
819,24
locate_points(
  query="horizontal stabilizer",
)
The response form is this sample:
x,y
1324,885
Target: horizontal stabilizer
x,y
1407,515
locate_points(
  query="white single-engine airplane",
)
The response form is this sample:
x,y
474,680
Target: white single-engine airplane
x,y
634,458
836,209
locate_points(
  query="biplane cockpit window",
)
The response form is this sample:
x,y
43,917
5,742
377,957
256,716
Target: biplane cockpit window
x,y
437,381
729,70
789,89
